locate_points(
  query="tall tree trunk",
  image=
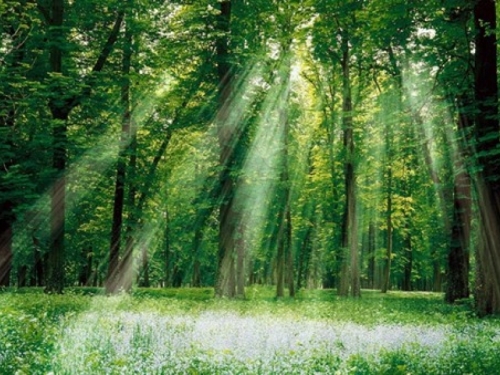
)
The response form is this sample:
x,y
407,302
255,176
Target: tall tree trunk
x,y
408,266
167,252
350,276
458,261
290,255
60,106
280,263
225,279
240,262
86,268
284,257
457,280
144,280
60,113
306,246
386,272
487,137
114,278
7,126
5,250
197,240
126,264
371,254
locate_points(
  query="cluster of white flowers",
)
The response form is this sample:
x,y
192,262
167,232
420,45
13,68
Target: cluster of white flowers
x,y
127,342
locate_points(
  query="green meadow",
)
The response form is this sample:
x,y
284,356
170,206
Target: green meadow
x,y
187,331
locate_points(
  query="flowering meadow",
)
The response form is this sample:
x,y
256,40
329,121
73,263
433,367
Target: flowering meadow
x,y
188,332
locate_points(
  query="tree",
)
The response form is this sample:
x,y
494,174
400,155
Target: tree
x,y
487,142
117,276
61,104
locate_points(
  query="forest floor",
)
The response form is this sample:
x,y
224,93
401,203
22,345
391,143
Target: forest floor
x,y
187,331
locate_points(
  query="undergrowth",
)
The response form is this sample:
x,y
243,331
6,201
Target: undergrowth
x,y
187,331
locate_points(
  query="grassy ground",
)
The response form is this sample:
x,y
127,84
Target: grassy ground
x,y
186,331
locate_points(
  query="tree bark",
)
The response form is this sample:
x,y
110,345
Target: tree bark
x,y
487,138
60,106
371,254
60,114
5,251
350,276
225,282
386,272
115,277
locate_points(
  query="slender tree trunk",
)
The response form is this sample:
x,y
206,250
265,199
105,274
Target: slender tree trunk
x,y
166,276
126,265
86,270
240,261
284,257
371,254
227,133
115,279
290,255
197,239
60,114
38,273
386,273
408,266
144,280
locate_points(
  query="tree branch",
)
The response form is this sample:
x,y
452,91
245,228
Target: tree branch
x,y
108,47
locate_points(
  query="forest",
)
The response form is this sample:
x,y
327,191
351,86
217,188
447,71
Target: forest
x,y
249,186
303,144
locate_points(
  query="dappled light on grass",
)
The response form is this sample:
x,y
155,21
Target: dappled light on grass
x,y
152,343
152,332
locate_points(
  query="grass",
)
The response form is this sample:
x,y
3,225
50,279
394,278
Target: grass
x,y
187,331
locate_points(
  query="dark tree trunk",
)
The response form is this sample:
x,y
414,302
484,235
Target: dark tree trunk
x,y
386,272
22,273
126,269
61,106
40,263
227,133
487,137
196,279
117,271
284,256
371,254
5,250
408,266
177,276
280,262
458,267
86,271
349,276
197,239
458,261
437,279
9,198
144,280
240,262
303,259
60,110
290,256
167,280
